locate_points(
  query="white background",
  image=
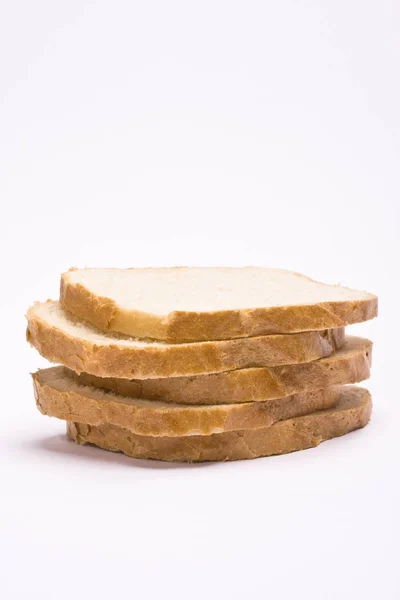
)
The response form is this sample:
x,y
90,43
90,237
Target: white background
x,y
157,133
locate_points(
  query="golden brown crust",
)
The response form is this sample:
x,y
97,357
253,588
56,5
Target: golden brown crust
x,y
96,310
182,326
351,364
352,412
114,359
58,395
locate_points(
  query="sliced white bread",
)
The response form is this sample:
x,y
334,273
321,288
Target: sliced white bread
x,y
352,411
198,304
350,364
62,338
59,395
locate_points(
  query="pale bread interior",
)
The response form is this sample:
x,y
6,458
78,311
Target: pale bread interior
x,y
195,289
54,315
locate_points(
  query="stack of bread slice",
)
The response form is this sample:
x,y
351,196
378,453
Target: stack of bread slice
x,y
202,364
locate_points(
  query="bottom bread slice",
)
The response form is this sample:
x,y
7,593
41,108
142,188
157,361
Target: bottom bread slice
x,y
352,411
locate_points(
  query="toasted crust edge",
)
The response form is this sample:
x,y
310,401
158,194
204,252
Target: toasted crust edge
x,y
351,364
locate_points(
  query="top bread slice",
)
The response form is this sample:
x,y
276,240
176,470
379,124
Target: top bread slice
x,y
61,337
185,304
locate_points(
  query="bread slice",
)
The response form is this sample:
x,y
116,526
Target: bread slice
x,y
58,395
352,411
60,337
350,364
199,304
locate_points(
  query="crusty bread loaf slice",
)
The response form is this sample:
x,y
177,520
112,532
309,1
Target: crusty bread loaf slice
x,y
352,411
59,395
198,304
350,364
61,337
